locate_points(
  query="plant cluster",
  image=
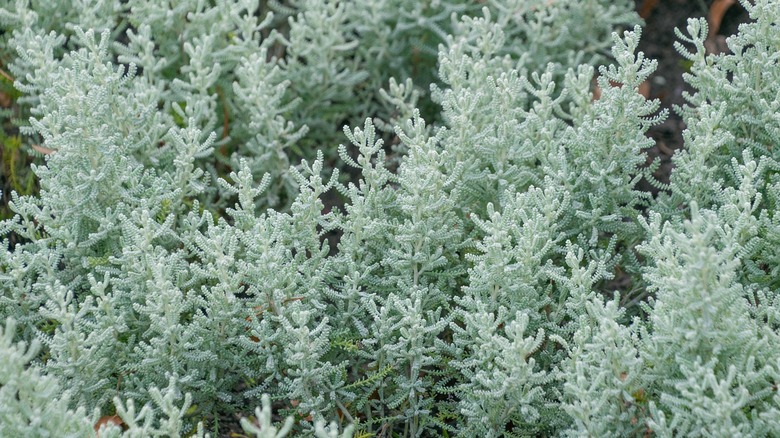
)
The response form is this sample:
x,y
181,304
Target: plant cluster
x,y
199,245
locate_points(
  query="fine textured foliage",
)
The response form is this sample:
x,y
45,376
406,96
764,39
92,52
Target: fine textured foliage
x,y
202,245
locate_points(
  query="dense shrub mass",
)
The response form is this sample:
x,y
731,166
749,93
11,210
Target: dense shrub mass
x,y
201,244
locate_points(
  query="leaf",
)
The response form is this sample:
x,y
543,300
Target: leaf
x,y
644,89
647,8
43,150
191,410
105,420
715,16
5,100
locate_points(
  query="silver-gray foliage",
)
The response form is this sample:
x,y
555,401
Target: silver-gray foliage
x,y
201,246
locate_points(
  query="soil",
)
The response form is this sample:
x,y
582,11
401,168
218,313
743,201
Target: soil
x,y
667,83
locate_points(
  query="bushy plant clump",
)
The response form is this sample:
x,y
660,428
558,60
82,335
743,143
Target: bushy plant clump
x,y
202,245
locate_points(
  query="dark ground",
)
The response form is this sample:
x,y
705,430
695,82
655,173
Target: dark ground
x,y
667,84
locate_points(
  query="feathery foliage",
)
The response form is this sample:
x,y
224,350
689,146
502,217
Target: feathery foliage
x,y
201,244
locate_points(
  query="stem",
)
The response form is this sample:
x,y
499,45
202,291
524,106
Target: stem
x,y
6,75
345,412
413,400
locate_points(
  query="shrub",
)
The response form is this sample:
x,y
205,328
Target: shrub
x,y
200,246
